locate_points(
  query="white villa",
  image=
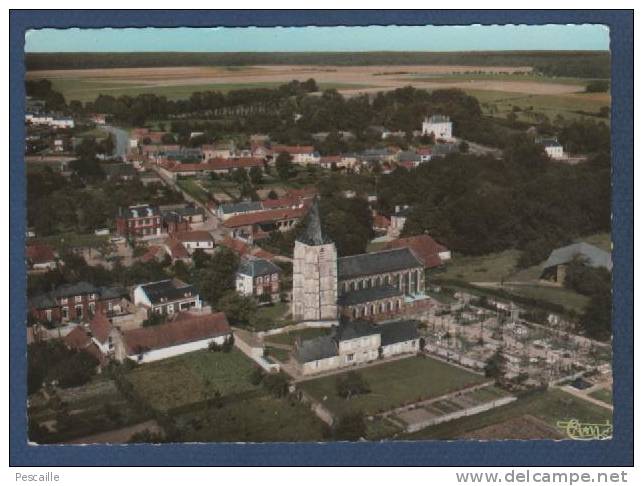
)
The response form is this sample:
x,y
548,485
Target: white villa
x,y
439,125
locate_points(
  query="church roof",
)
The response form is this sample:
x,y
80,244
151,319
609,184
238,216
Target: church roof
x,y
376,263
369,295
313,234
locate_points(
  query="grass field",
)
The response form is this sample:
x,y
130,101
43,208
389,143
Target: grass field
x,y
88,89
486,268
260,419
193,188
394,384
551,407
568,105
191,378
603,394
555,295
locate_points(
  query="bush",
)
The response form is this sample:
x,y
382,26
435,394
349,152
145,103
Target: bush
x,y
350,427
350,384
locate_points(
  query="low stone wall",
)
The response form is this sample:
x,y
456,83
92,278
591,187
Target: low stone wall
x,y
461,413
254,352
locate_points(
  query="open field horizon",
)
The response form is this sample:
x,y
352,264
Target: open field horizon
x,y
180,82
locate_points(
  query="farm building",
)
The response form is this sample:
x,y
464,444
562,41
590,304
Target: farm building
x,y
555,267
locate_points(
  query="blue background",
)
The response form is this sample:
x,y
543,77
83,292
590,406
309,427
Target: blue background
x,y
617,452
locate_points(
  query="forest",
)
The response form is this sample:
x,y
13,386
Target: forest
x,y
585,64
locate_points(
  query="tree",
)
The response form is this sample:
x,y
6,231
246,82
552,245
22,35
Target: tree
x,y
284,166
495,365
463,147
239,309
350,427
351,384
256,176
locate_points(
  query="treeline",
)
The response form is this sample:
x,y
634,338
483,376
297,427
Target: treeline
x,y
477,205
589,64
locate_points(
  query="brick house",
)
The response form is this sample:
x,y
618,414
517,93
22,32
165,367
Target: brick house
x,y
75,302
258,278
139,221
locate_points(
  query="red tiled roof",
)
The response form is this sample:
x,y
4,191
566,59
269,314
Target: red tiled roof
x,y
176,248
193,236
235,245
424,247
305,193
77,339
381,221
40,253
183,329
268,216
423,151
100,327
261,253
283,202
153,252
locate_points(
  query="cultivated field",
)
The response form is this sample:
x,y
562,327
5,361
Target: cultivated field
x,y
180,82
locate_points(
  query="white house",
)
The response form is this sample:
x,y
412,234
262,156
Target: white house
x,y
195,240
356,342
185,334
49,120
553,148
439,125
167,297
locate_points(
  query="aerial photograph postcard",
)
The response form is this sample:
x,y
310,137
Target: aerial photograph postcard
x,y
318,234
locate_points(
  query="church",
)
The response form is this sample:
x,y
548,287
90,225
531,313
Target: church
x,y
371,286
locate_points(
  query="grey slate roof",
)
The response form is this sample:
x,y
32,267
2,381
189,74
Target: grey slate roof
x,y
369,295
257,267
43,301
167,290
321,347
375,263
398,332
241,207
439,119
313,234
355,329
78,288
49,299
595,256
140,211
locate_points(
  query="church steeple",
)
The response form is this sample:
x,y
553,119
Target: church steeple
x,y
313,234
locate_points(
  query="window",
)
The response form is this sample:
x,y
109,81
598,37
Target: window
x,y
48,314
78,298
92,307
65,312
79,312
63,300
350,357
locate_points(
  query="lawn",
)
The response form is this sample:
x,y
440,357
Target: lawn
x,y
394,384
192,378
603,394
551,407
259,419
556,295
75,240
486,268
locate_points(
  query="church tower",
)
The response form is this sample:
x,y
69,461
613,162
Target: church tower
x,y
314,286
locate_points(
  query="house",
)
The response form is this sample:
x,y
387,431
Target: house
x,y
251,226
195,240
80,340
555,266
431,253
119,171
227,210
217,166
439,126
167,297
380,222
553,148
258,278
356,342
393,134
41,257
49,120
178,218
176,251
301,154
220,150
409,159
398,220
184,334
424,153
139,221
103,333
339,162
75,302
